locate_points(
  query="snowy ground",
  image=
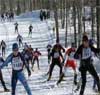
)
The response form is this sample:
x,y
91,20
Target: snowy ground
x,y
40,38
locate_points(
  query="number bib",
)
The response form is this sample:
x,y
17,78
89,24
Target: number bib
x,y
17,63
56,55
86,53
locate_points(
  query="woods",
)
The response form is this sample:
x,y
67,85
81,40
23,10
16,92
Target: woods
x,y
75,10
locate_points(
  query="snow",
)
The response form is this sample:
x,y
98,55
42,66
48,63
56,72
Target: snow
x,y
40,38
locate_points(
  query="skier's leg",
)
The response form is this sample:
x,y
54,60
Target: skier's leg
x,y
33,63
38,64
60,66
2,52
2,81
51,70
13,83
83,76
75,76
93,72
62,76
94,84
23,80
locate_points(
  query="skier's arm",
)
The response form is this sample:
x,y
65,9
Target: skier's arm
x,y
78,53
62,48
61,56
40,53
8,60
95,50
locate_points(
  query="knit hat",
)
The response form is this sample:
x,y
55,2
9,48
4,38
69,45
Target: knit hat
x,y
85,38
15,46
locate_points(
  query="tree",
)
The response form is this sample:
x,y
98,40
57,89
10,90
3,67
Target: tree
x,y
98,22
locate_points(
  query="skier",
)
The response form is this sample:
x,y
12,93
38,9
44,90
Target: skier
x,y
31,51
69,62
16,27
18,62
3,47
1,76
48,14
30,30
44,15
84,53
49,51
26,54
36,55
2,17
19,39
41,15
56,56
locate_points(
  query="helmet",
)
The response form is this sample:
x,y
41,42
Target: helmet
x,y
15,46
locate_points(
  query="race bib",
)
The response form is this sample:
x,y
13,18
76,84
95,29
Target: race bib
x,y
86,53
17,63
56,55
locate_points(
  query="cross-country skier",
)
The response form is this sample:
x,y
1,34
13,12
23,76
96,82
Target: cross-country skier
x,y
3,47
20,40
36,55
16,27
30,30
56,56
2,17
84,53
69,62
1,76
49,47
17,61
41,15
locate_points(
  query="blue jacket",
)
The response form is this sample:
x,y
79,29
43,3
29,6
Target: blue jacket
x,y
19,63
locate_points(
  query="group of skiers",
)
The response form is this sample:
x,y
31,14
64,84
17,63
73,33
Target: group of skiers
x,y
30,28
84,53
7,16
19,60
44,14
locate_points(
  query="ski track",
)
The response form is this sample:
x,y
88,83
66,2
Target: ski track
x,y
37,82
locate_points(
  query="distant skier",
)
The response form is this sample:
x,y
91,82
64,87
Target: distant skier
x,y
20,40
31,51
16,27
1,76
30,30
49,47
3,47
69,62
36,55
56,56
48,14
41,15
84,53
18,62
44,15
2,17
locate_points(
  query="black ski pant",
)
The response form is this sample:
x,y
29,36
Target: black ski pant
x,y
86,65
3,51
55,62
2,81
36,59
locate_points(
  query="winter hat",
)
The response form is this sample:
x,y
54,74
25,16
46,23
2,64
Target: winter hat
x,y
85,38
15,46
